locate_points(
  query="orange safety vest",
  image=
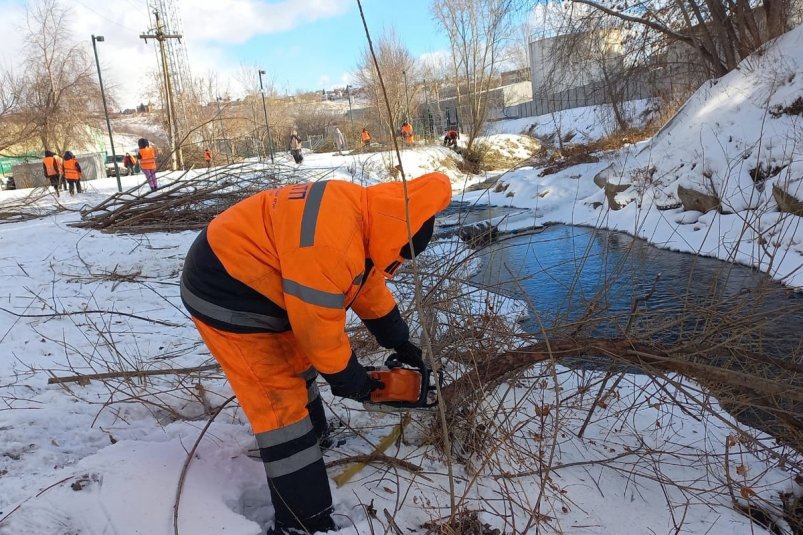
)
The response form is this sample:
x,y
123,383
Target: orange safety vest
x,y
207,155
306,247
147,159
366,136
408,130
52,165
71,171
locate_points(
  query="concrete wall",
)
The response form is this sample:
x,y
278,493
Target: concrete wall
x,y
30,175
549,70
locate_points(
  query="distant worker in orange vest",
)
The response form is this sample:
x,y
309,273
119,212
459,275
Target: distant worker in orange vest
x,y
366,137
72,172
147,161
208,158
269,284
407,133
53,167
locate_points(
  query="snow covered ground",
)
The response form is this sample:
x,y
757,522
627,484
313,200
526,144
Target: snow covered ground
x,y
106,457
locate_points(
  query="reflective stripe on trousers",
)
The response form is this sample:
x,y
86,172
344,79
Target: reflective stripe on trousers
x,y
289,449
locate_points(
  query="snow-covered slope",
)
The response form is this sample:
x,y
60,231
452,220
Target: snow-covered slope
x,y
734,138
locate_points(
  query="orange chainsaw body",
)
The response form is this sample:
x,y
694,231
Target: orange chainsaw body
x,y
401,384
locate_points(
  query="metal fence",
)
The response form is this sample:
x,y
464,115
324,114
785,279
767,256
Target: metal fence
x,y
657,82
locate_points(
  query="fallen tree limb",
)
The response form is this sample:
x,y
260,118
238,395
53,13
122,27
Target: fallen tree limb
x,y
84,312
376,458
84,379
777,390
643,355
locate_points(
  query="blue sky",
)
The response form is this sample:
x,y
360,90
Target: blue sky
x,y
320,54
302,44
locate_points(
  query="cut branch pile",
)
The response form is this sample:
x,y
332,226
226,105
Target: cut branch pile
x,y
28,207
191,201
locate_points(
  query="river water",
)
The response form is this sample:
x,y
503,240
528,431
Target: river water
x,y
565,270
572,276
567,273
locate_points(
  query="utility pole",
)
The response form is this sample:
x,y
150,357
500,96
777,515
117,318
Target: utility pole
x,y
95,39
222,131
265,109
428,116
406,97
176,155
351,113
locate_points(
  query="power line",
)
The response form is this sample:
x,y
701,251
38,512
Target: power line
x,y
104,17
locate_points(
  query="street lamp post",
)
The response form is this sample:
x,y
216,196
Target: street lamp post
x,y
265,109
95,39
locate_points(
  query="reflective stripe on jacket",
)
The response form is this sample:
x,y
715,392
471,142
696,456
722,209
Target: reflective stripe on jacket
x,y
298,257
147,159
72,169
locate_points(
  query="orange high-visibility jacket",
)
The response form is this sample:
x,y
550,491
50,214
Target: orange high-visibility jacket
x,y
72,170
366,136
301,255
147,159
53,165
207,155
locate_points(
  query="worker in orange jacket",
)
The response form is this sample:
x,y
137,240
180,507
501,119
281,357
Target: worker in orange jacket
x,y
208,158
147,161
53,168
366,137
407,133
268,284
72,172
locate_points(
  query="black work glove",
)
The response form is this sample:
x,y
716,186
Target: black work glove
x,y
407,353
352,382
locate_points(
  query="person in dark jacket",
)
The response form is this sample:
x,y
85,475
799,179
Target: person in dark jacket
x,y
128,163
450,138
295,147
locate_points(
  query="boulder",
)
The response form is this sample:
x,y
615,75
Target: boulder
x,y
610,193
601,178
787,202
697,201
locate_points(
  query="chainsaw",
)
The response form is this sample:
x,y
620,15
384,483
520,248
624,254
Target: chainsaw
x,y
404,388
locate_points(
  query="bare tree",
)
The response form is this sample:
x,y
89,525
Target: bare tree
x,y
396,62
14,128
478,31
721,32
61,93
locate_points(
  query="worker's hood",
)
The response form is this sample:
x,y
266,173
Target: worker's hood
x,y
386,225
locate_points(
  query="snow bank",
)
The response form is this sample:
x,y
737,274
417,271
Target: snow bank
x,y
732,139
